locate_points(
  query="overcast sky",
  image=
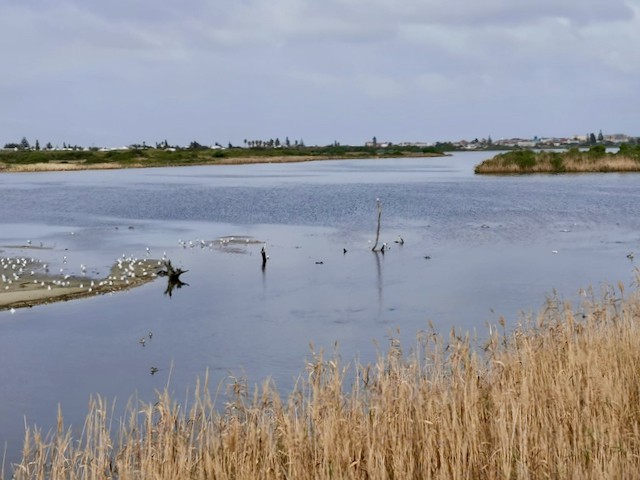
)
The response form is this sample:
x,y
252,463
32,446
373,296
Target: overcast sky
x,y
116,72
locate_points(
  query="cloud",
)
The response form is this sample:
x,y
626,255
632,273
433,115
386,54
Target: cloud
x,y
306,65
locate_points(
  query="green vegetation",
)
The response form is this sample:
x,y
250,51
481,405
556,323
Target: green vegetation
x,y
630,150
556,398
595,159
142,156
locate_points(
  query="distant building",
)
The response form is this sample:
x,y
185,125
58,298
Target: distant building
x,y
377,144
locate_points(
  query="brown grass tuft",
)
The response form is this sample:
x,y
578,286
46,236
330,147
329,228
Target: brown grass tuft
x,y
559,397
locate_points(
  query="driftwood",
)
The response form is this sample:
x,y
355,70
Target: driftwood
x,y
173,277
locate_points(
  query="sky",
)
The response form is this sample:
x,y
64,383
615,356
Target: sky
x,y
117,72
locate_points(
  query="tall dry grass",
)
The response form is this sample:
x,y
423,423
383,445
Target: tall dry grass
x,y
558,397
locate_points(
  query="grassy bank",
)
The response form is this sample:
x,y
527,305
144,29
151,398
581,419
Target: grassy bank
x,y
30,160
557,398
596,159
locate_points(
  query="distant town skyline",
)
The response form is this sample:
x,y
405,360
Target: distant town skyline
x,y
286,142
114,73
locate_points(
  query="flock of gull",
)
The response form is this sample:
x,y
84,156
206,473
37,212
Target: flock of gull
x,y
22,273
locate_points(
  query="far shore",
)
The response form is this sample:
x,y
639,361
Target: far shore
x,y
58,162
80,165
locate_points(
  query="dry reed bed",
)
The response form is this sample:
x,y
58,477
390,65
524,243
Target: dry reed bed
x,y
559,397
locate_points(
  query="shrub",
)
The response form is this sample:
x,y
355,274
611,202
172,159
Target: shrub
x,y
523,159
557,162
573,152
629,150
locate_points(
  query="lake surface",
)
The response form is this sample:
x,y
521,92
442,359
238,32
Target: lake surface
x,y
491,242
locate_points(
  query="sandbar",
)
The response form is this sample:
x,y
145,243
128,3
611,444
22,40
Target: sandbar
x,y
26,283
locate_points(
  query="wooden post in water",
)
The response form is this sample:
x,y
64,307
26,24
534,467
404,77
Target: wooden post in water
x,y
379,205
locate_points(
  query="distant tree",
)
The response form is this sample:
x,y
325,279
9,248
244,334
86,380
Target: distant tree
x,y
287,142
600,136
49,146
375,142
592,138
194,145
24,144
301,143
12,146
489,141
277,144
37,147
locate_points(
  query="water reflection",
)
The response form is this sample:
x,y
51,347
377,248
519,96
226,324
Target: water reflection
x,y
174,282
380,282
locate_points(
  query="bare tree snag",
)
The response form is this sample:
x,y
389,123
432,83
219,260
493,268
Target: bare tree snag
x,y
173,277
265,257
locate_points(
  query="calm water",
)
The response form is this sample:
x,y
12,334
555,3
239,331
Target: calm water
x,y
490,241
